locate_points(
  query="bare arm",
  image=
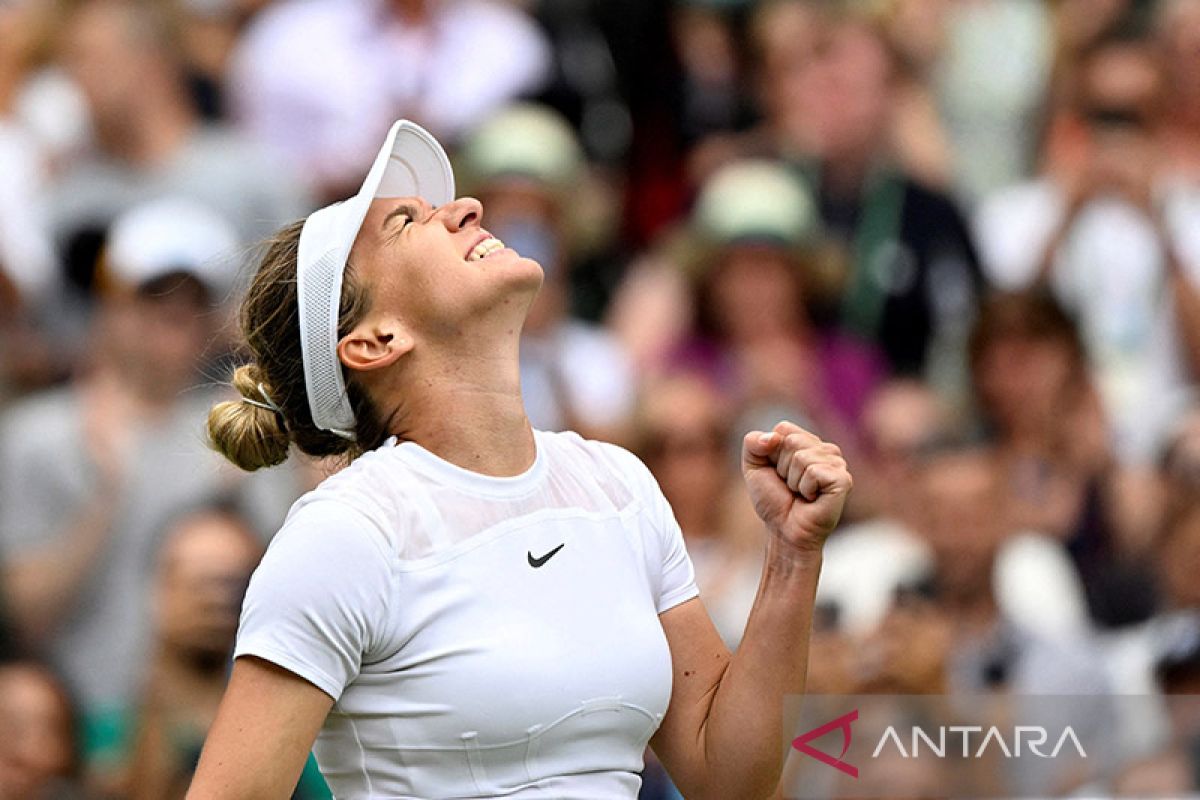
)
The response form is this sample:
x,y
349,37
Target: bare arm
x,y
262,736
723,732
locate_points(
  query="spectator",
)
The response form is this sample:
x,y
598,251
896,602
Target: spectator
x,y
526,166
951,631
39,757
871,565
318,81
913,277
89,472
988,70
1037,402
708,45
758,257
1115,238
200,577
148,139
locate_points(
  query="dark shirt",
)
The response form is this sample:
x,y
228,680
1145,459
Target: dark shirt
x,y
913,270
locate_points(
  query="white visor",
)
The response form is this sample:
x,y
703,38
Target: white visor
x,y
410,163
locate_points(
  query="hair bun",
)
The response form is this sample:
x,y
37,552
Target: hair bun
x,y
251,435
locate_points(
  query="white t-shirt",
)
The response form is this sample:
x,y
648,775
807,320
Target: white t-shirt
x,y
481,636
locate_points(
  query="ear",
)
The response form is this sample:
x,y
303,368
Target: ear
x,y
374,344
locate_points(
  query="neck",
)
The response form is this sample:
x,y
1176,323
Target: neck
x,y
469,411
846,175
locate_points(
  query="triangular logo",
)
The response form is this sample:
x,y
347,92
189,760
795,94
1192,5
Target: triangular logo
x,y
801,743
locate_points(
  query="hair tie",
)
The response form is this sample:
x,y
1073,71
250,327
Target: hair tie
x,y
266,402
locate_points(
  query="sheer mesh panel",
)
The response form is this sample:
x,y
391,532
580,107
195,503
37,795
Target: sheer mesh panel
x,y
436,514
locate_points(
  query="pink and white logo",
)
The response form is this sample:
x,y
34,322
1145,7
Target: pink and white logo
x,y
801,743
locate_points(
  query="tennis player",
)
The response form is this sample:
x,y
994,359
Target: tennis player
x,y
473,608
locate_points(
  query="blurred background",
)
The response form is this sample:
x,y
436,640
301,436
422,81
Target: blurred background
x,y
961,238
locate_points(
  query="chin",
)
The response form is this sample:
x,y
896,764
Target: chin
x,y
521,274
536,273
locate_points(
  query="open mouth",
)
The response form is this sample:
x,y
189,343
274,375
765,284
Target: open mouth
x,y
485,248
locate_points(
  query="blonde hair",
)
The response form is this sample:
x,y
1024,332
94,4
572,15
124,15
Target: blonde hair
x,y
258,430
248,434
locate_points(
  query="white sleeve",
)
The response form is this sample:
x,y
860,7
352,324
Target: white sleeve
x,y
677,576
318,601
672,577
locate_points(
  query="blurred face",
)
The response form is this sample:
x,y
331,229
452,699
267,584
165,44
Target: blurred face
x,y
754,293
156,341
963,520
684,431
101,56
855,74
439,271
35,732
900,419
1023,380
206,565
787,36
1120,89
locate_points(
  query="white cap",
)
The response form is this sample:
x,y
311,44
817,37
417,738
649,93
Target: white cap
x,y
173,234
410,163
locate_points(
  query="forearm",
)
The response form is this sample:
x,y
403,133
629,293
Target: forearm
x,y
743,735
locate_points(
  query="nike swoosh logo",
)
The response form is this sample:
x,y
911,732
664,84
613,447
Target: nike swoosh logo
x,y
537,562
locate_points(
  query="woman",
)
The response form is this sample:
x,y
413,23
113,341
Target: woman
x,y
473,608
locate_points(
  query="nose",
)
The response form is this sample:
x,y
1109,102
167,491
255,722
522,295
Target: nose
x,y
465,212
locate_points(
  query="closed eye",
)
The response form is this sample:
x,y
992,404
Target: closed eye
x,y
405,213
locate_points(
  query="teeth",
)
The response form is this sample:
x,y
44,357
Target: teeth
x,y
484,248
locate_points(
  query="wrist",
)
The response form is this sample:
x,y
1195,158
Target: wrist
x,y
791,556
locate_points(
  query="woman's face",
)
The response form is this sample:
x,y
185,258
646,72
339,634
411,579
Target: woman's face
x,y
437,269
755,294
1023,380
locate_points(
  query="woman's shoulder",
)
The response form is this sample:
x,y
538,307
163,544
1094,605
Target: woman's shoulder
x,y
603,460
367,499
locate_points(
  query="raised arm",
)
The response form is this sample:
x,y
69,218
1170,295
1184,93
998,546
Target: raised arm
x,y
262,736
723,733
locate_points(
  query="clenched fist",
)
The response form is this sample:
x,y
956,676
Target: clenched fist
x,y
797,482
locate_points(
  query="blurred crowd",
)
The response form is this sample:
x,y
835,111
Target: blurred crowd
x,y
961,238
